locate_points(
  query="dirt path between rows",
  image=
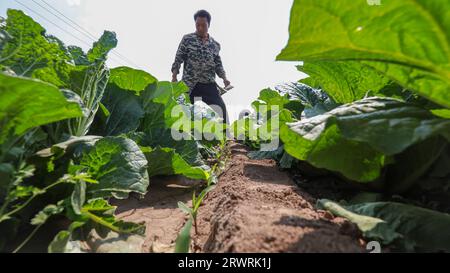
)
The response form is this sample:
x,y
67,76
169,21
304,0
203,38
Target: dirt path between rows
x,y
258,208
255,207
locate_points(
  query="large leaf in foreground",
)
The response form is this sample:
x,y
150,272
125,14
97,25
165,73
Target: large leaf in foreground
x,y
421,229
345,82
357,139
26,103
417,55
118,165
370,226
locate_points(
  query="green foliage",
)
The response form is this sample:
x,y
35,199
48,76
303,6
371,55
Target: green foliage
x,y
374,111
346,81
51,97
183,242
193,212
30,52
27,103
408,227
414,53
358,139
118,165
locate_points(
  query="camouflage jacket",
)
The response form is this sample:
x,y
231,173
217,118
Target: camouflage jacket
x,y
201,60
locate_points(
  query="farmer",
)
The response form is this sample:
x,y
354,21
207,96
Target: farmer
x,y
200,54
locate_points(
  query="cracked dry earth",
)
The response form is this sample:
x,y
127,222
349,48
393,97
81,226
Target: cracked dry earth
x,y
255,207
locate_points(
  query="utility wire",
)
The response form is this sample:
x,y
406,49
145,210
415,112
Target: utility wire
x,y
70,20
84,31
62,29
90,36
67,32
43,17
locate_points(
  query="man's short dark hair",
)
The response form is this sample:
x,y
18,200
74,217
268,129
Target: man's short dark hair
x,y
203,14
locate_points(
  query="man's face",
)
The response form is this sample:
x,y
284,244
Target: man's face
x,y
202,25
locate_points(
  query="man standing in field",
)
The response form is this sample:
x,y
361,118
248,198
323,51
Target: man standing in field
x,y
200,54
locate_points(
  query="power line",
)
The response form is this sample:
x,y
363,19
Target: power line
x,y
37,3
70,20
57,26
85,31
90,36
62,29
43,17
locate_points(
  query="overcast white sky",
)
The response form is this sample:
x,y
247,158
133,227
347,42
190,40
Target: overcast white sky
x,y
251,32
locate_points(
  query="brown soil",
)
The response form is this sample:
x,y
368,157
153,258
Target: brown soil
x,y
258,208
159,210
255,207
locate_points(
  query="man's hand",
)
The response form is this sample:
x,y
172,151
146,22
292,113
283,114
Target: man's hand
x,y
174,78
226,82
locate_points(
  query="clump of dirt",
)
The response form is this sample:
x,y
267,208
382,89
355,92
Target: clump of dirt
x,y
255,207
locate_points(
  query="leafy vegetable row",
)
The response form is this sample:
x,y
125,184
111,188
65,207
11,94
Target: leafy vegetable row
x,y
374,111
74,134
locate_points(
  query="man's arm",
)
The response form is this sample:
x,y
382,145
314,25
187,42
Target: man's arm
x,y
180,57
220,71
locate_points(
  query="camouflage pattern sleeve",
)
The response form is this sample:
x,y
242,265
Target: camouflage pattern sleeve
x,y
180,56
219,66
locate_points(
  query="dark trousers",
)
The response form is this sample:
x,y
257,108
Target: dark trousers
x,y
209,94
